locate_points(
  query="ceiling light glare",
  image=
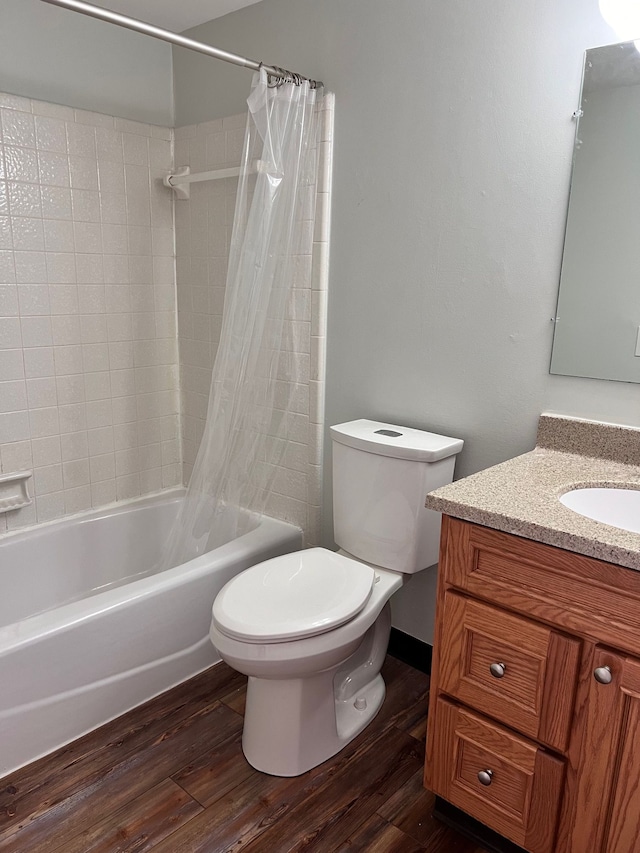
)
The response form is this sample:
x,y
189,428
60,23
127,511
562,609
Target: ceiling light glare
x,y
623,16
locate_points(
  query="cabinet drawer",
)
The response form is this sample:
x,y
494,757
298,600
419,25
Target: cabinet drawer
x,y
513,669
522,791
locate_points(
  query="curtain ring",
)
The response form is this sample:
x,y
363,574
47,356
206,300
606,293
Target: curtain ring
x,y
278,81
274,82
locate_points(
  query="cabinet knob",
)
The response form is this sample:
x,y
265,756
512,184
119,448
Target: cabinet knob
x,y
497,670
484,777
603,675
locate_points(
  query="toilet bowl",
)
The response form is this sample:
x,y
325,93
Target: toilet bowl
x,y
312,653
311,629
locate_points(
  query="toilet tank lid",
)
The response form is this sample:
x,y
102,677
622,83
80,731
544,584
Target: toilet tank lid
x,y
397,441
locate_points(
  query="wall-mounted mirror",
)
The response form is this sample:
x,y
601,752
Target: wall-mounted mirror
x,y
597,330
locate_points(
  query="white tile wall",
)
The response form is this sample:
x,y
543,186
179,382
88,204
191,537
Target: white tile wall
x,y
203,228
88,351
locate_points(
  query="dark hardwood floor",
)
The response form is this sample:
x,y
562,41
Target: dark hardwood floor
x,y
170,777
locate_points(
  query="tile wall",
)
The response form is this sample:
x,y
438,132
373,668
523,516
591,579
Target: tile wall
x,y
203,231
203,228
90,390
88,352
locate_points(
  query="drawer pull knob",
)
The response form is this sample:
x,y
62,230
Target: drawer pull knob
x,y
484,777
497,670
603,675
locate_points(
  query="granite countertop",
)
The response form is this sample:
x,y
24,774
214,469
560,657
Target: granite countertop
x,y
520,496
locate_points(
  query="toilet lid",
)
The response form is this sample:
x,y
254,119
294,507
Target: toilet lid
x,y
294,596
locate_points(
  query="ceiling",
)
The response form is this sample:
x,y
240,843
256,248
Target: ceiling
x,y
175,15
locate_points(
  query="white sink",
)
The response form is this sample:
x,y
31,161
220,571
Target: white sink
x,y
617,507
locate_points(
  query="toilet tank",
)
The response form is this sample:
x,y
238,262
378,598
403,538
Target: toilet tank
x,y
381,476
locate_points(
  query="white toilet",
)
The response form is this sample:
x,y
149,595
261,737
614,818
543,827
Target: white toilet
x,y
311,628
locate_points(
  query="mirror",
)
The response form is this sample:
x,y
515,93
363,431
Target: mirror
x,y
597,332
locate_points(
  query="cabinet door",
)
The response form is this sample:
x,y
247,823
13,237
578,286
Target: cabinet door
x,y
602,802
624,820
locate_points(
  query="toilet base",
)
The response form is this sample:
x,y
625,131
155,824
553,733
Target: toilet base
x,y
294,724
305,725
354,715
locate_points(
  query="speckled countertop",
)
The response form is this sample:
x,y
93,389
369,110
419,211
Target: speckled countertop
x,y
520,496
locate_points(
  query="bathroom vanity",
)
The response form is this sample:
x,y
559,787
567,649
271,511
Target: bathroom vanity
x,y
534,715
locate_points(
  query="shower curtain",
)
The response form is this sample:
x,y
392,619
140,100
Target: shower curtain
x,y
254,374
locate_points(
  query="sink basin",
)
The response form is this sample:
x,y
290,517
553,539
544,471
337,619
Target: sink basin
x,y
616,507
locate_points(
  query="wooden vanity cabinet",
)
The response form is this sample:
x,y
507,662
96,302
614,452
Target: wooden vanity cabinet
x,y
534,715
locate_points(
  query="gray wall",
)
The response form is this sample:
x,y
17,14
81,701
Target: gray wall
x,y
452,160
55,55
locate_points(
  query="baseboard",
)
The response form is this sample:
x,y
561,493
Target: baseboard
x,y
410,650
473,829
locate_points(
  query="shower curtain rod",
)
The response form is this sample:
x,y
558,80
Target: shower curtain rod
x,y
174,38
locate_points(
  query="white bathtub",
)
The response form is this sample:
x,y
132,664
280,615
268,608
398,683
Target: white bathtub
x,y
83,640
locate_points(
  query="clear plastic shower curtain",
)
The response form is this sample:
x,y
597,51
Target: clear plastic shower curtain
x,y
254,373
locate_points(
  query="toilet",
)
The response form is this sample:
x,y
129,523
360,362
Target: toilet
x,y
310,629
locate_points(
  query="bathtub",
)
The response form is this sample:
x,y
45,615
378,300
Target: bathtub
x,y
86,635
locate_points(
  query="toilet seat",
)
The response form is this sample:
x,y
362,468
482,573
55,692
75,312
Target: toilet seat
x,y
294,596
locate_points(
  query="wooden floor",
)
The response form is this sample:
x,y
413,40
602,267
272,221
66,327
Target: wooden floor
x,y
170,777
